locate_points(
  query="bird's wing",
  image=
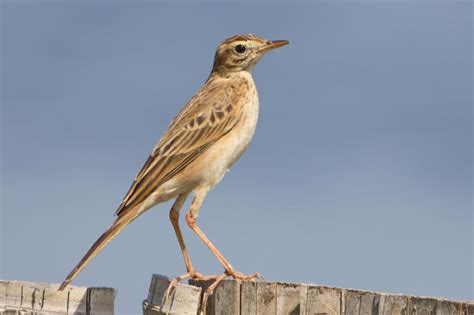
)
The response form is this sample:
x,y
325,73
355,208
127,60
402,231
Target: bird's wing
x,y
208,116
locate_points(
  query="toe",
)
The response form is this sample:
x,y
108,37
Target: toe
x,y
240,276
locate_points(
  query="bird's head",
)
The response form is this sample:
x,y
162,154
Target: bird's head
x,y
242,52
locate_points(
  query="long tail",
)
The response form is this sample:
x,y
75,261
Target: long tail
x,y
119,224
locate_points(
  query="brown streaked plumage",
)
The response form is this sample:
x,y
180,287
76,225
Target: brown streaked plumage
x,y
204,139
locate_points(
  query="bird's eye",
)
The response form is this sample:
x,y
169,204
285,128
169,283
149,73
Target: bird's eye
x,y
240,49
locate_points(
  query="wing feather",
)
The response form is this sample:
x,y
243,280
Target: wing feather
x,y
204,120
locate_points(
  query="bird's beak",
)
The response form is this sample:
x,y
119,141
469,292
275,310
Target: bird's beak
x,y
272,44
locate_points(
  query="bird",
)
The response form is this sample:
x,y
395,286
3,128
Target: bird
x,y
206,137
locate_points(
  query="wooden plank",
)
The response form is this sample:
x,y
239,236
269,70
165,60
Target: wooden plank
x,y
183,299
470,309
323,300
464,308
248,298
54,300
370,303
77,302
40,298
13,297
100,301
204,285
360,302
266,298
289,299
352,302
448,307
151,290
303,298
276,298
394,305
158,290
226,298
32,296
424,306
3,292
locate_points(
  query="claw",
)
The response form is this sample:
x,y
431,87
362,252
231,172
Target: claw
x,y
259,276
240,276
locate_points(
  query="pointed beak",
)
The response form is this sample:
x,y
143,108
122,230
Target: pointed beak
x,y
272,44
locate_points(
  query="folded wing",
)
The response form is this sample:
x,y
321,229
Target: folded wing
x,y
207,117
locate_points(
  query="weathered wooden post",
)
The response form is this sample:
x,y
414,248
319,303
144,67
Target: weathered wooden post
x,y
184,299
275,298
20,297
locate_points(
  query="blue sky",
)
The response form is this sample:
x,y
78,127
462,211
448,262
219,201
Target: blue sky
x,y
359,175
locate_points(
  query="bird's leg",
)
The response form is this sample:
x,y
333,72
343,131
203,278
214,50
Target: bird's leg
x,y
190,271
174,218
191,217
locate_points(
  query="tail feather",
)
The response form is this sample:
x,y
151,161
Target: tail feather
x,y
100,243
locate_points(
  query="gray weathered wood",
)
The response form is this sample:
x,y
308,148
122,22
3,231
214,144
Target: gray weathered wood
x,y
77,300
394,304
470,309
21,297
33,296
352,302
204,285
360,302
100,300
183,299
424,306
370,303
55,301
266,298
275,298
248,298
3,294
289,299
323,300
447,307
226,298
13,294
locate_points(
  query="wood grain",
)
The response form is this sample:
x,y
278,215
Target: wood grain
x,y
21,297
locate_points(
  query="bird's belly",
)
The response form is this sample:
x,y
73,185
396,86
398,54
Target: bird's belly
x,y
230,149
211,166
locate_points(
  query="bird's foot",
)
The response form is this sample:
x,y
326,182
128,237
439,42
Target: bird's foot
x,y
188,275
217,280
240,276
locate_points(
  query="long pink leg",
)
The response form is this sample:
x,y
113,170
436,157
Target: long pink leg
x,y
190,271
191,220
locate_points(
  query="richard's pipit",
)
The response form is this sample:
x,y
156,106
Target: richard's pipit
x,y
202,142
